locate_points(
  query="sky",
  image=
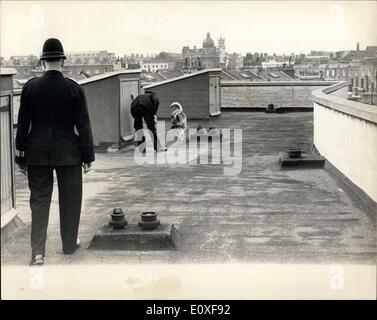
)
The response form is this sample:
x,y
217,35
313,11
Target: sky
x,y
126,27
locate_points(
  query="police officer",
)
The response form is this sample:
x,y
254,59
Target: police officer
x,y
54,133
145,106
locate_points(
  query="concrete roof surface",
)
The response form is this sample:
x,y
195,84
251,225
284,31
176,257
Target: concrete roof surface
x,y
265,214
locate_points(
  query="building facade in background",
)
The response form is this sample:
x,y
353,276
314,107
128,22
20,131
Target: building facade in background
x,y
207,57
155,66
90,57
150,63
340,65
78,65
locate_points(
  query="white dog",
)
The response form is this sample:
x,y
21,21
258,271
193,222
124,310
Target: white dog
x,y
178,120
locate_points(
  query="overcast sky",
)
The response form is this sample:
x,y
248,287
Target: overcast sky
x,y
154,26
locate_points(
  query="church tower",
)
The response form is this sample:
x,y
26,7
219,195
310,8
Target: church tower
x,y
221,47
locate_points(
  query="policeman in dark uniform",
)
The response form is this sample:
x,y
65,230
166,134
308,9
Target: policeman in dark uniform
x,y
51,108
145,106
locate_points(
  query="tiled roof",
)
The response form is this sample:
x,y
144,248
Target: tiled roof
x,y
152,76
109,74
235,74
284,76
225,76
303,66
183,77
355,64
344,54
333,65
169,74
253,75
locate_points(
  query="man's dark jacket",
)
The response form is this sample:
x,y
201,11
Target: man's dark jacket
x,y
51,107
148,100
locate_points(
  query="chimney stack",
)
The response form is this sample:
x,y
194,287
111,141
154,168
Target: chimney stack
x,y
358,46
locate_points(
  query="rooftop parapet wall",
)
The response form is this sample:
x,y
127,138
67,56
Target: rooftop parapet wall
x,y
243,95
299,83
345,132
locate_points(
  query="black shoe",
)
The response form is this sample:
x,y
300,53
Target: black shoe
x,y
74,250
37,260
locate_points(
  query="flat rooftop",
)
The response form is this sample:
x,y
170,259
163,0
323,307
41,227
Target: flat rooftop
x,y
264,214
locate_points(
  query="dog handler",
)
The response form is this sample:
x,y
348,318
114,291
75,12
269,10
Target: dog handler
x,y
145,106
51,107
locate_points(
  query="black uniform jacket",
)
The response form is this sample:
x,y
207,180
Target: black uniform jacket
x,y
51,107
147,100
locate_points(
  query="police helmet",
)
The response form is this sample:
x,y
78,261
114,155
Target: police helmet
x,y
52,50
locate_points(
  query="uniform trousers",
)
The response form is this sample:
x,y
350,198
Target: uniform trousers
x,y
41,182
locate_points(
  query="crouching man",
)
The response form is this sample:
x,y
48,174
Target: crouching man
x,y
145,106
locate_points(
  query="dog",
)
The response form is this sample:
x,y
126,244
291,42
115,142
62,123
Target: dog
x,y
178,120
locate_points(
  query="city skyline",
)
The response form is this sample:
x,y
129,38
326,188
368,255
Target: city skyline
x,y
145,27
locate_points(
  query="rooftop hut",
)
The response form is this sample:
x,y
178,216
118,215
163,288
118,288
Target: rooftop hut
x,y
109,98
199,93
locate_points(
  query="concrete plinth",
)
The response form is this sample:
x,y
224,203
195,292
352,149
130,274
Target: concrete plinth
x,y
133,238
305,161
